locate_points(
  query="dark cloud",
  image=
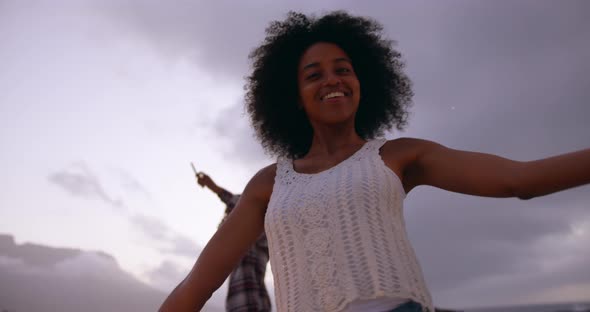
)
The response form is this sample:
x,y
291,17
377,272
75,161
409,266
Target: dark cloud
x,y
209,33
516,76
35,255
79,181
466,242
505,69
78,281
510,71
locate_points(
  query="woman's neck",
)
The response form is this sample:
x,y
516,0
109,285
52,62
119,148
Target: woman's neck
x,y
332,140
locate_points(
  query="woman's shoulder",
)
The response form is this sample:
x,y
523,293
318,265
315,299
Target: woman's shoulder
x,y
405,145
262,182
266,174
401,152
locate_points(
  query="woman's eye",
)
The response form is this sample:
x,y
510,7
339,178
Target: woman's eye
x,y
343,70
312,76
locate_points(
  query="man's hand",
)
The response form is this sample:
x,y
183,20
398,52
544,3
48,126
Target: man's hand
x,y
205,180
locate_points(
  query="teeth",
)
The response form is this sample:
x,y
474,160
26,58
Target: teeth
x,y
332,95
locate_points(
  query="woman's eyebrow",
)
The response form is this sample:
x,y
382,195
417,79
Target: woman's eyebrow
x,y
310,65
342,59
316,64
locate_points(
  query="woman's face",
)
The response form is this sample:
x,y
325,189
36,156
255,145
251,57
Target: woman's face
x,y
329,90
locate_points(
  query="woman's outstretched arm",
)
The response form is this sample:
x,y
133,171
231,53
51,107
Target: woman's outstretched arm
x,y
488,175
225,249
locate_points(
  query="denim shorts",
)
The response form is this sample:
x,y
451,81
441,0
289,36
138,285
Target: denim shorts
x,y
408,307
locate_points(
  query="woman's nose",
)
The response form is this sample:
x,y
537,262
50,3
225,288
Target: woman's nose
x,y
332,80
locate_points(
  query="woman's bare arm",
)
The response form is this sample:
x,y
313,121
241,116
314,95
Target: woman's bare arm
x,y
490,175
241,229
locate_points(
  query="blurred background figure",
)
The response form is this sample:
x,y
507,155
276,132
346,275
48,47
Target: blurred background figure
x,y
246,291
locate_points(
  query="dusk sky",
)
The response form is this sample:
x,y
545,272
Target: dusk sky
x,y
104,104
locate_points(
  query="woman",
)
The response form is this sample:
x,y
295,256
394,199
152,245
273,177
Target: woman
x,y
321,91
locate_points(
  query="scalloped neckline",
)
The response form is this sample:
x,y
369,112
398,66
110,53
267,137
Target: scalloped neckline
x,y
363,147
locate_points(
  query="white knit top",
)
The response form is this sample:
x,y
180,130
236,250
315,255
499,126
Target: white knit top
x,y
338,236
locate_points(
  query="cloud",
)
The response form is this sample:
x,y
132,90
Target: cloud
x,y
166,239
79,181
132,184
88,281
167,275
566,293
233,127
152,227
183,246
87,264
217,36
477,251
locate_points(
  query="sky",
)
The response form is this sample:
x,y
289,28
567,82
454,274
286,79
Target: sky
x,y
104,104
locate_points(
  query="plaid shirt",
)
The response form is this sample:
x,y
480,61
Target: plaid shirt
x,y
247,292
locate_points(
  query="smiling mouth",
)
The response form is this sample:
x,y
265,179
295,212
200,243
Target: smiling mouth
x,y
332,95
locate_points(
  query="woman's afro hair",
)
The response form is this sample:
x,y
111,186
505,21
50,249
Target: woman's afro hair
x,y
272,92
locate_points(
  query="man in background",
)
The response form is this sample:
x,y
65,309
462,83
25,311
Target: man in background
x,y
247,291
